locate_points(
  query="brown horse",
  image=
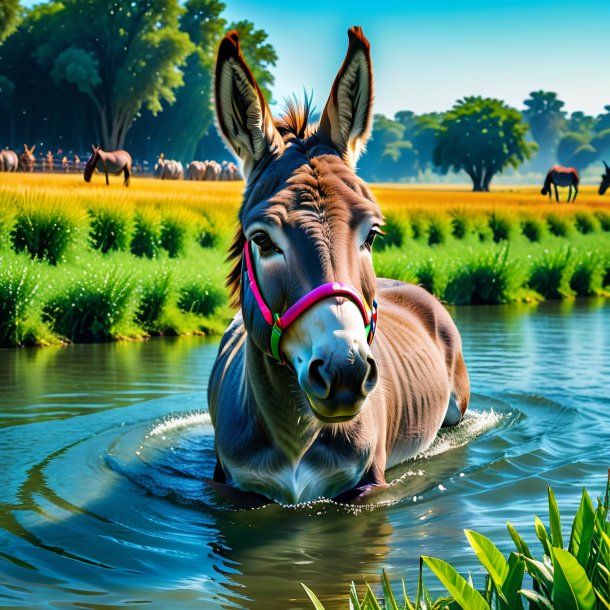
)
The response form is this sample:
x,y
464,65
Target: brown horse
x,y
304,402
605,183
561,176
110,163
27,160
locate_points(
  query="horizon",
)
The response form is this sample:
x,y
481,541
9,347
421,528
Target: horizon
x,y
504,52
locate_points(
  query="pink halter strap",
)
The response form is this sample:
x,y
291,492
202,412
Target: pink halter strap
x,y
280,323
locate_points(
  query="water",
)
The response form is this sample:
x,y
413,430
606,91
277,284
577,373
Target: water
x,y
103,448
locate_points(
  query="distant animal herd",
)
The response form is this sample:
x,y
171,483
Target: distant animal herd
x,y
119,161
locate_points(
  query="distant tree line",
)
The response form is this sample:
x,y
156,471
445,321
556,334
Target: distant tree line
x,y
483,136
118,74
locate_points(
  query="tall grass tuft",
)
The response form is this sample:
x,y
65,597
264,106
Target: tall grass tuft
x,y
604,220
108,229
19,286
550,274
95,305
437,231
532,229
394,233
44,232
461,223
209,234
486,279
557,225
500,225
200,297
173,235
588,275
429,276
145,240
584,222
153,297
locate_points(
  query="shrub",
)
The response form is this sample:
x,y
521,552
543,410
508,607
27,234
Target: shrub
x,y
44,233
19,284
428,276
584,222
200,297
486,279
557,225
532,229
145,240
500,227
460,223
394,233
173,235
587,276
418,226
92,306
437,231
108,229
604,220
550,275
154,294
208,234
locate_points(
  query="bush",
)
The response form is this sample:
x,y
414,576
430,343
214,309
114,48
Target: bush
x,y
200,297
19,284
437,231
92,306
584,223
418,226
154,294
173,235
208,234
532,229
145,240
500,226
587,277
604,220
460,223
550,275
44,233
428,276
558,226
487,279
108,229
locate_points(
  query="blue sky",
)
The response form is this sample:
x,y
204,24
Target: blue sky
x,y
428,54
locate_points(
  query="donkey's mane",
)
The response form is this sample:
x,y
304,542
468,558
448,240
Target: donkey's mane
x,y
295,121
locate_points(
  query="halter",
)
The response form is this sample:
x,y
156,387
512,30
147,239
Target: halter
x,y
279,323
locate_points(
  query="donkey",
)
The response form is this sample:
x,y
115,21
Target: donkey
x,y
9,161
27,160
561,176
196,170
605,183
113,162
168,169
304,403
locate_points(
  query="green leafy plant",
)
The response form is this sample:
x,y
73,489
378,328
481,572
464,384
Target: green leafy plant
x,y
145,240
108,229
550,274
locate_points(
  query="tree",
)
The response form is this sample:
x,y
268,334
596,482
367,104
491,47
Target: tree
x,y
481,136
382,152
9,16
575,150
125,58
424,135
546,122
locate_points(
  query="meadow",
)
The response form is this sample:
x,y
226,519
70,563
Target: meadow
x,y
85,262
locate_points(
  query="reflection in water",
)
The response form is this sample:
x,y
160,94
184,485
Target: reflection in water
x,y
104,448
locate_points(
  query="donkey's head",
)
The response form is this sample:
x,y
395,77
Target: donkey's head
x,y
605,183
303,271
91,162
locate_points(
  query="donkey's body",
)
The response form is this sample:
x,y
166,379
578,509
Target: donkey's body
x,y
561,176
339,413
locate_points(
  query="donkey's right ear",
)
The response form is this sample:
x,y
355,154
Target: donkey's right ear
x,y
243,115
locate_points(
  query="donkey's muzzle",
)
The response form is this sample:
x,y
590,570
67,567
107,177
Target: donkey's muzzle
x,y
337,390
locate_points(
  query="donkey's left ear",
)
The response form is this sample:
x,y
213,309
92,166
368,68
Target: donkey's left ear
x,y
347,118
243,115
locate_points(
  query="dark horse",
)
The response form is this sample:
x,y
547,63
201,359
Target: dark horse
x,y
305,404
110,163
561,176
605,183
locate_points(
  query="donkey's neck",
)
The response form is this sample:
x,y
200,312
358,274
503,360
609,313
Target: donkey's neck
x,y
280,404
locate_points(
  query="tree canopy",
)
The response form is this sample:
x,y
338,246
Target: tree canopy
x,y
9,16
481,136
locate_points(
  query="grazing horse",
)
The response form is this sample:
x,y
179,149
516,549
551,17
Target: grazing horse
x,y
110,163
605,183
27,160
9,161
311,395
196,170
168,169
561,176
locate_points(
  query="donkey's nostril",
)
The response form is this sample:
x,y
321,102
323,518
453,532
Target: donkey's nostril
x,y
319,381
370,381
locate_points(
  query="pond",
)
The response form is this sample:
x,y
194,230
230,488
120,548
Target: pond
x,y
103,449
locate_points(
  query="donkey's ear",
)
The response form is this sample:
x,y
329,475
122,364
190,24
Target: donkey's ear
x,y
346,119
243,115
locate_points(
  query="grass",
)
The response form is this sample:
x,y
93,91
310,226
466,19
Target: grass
x,y
115,262
572,573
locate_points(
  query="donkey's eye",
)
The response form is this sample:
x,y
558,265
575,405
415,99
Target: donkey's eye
x,y
264,243
370,238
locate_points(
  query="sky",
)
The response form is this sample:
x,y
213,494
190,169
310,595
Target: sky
x,y
428,54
